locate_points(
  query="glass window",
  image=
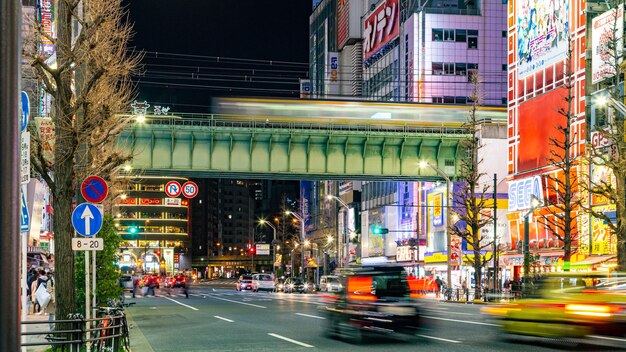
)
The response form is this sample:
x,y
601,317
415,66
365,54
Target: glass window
x,y
504,67
437,68
448,100
460,100
448,35
448,68
437,99
461,35
472,32
437,35
461,69
472,42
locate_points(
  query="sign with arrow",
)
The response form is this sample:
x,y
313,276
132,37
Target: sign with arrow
x,y
87,219
24,216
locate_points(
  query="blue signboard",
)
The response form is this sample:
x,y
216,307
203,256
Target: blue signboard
x,y
24,216
87,219
25,111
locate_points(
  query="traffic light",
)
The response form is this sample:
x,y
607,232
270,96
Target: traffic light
x,y
158,252
377,230
132,230
252,250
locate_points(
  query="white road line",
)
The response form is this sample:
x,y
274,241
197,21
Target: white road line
x,y
224,319
182,304
607,338
290,340
460,321
297,300
239,302
310,316
459,313
438,338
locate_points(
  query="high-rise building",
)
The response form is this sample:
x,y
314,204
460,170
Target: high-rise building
x,y
236,227
154,227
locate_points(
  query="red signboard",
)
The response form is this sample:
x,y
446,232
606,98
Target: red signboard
x,y
380,27
149,201
126,201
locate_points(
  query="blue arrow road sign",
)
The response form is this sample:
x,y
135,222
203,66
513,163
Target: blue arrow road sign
x,y
25,111
24,217
87,219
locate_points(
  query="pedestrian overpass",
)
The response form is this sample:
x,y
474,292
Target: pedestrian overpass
x,y
304,139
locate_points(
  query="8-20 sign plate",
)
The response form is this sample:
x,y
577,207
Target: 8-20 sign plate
x,y
87,244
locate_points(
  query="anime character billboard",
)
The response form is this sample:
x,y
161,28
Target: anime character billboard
x,y
542,34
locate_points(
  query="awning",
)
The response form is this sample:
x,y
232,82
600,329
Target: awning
x,y
592,260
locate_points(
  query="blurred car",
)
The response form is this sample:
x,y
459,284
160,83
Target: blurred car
x,y
178,281
262,282
330,283
126,281
279,285
571,305
376,301
244,283
294,284
151,281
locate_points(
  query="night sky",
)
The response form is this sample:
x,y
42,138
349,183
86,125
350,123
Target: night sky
x,y
197,30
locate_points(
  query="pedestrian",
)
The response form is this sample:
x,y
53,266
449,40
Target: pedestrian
x,y
51,308
41,280
135,285
33,298
438,284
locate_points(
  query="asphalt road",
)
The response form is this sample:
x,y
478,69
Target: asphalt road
x,y
221,319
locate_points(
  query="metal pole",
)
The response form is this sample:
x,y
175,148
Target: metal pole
x,y
448,232
10,17
93,283
526,246
275,245
302,234
496,284
87,300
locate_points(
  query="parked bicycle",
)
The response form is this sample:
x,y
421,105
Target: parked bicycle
x,y
112,332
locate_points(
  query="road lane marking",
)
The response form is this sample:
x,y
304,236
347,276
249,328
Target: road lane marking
x,y
607,338
239,302
439,338
290,340
460,321
224,319
182,304
296,300
310,316
459,313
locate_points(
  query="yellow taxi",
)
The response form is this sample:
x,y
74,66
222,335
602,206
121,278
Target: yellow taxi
x,y
567,305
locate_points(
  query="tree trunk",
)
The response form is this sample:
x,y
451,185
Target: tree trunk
x,y
620,212
65,141
478,274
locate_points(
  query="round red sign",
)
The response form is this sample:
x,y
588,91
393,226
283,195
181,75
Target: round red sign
x,y
172,189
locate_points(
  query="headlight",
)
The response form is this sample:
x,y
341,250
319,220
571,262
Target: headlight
x,y
280,286
306,286
290,285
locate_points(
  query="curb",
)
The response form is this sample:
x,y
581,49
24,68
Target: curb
x,y
138,341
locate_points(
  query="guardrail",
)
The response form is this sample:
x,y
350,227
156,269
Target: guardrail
x,y
212,121
107,333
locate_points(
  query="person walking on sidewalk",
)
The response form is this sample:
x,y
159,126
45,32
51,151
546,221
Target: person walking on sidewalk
x,y
51,308
438,283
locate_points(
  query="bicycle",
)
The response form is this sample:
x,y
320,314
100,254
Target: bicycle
x,y
56,341
104,335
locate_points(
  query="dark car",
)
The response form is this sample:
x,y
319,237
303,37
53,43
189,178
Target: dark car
x,y
244,283
294,284
376,301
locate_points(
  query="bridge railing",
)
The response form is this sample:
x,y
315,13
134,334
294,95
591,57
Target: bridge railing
x,y
215,121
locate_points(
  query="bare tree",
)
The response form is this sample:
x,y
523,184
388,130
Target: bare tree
x,y
472,201
90,87
562,202
611,155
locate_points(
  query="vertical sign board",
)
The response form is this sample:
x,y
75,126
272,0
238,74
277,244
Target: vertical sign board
x,y
24,216
606,28
380,27
25,158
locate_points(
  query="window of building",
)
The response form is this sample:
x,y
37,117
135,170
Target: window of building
x,y
504,67
448,35
472,39
448,68
504,34
461,69
461,35
437,35
437,68
448,100
460,100
437,99
503,100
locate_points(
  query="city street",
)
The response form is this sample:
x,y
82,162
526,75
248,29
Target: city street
x,y
219,318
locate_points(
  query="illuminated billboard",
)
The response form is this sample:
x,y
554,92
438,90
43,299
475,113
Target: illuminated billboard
x,y
542,34
535,147
380,27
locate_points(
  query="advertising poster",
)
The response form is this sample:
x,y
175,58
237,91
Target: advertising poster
x,y
343,22
46,18
436,202
603,240
47,135
305,204
604,29
305,88
542,34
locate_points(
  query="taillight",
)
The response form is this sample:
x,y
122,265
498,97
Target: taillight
x,y
590,310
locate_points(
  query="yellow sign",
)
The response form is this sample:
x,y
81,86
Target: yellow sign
x,y
438,257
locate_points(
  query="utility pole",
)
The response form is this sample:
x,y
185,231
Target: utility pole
x,y
10,16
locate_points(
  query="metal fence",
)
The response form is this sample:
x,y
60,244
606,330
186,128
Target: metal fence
x,y
107,333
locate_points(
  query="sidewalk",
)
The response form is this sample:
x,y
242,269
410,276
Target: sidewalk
x,y
35,327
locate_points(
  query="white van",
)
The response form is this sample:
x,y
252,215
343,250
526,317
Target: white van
x,y
262,282
330,283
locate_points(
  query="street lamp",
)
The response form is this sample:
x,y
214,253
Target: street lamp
x,y
608,100
423,164
301,219
347,236
534,203
265,222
